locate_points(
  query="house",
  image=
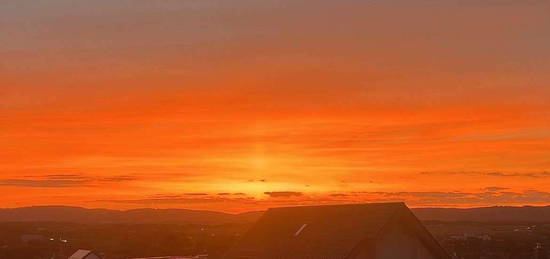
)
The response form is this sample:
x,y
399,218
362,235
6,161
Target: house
x,y
369,231
84,254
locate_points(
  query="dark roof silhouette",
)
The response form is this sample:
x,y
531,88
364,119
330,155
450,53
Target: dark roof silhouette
x,y
327,232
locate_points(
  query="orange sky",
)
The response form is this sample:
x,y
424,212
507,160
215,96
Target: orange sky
x,y
242,105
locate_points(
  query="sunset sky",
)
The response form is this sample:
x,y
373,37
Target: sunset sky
x,y
239,105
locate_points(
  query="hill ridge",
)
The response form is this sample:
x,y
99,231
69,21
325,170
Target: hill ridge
x,y
62,213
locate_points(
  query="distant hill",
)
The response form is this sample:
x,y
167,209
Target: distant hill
x,y
82,215
183,216
487,214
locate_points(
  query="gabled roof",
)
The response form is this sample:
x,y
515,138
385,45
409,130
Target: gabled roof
x,y
327,232
80,254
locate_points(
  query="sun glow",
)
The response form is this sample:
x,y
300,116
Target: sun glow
x,y
117,105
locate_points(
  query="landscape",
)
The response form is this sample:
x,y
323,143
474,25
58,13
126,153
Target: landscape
x,y
274,129
491,232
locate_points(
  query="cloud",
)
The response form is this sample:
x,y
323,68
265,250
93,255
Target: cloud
x,y
492,196
530,175
495,173
121,178
64,177
283,194
61,180
181,199
228,193
495,189
489,197
42,183
339,195
48,181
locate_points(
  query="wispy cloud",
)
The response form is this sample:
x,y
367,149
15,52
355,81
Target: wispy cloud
x,y
283,194
492,196
540,174
62,180
495,189
121,178
42,183
181,199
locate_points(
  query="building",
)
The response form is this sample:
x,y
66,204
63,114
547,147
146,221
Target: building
x,y
370,231
540,252
84,254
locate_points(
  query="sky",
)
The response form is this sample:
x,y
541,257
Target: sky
x,y
243,105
